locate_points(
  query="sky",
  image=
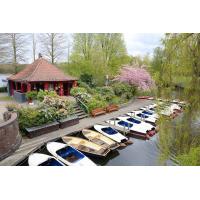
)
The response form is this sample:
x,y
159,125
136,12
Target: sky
x,y
142,43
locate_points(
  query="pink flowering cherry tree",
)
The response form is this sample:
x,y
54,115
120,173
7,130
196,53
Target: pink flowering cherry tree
x,y
136,76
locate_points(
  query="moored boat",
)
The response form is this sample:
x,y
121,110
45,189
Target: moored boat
x,y
111,133
99,139
68,155
129,126
85,146
147,111
139,126
143,117
39,159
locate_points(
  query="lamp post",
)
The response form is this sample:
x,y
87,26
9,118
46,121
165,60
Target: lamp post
x,y
107,80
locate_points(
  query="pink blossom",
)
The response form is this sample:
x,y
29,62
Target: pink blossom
x,y
136,76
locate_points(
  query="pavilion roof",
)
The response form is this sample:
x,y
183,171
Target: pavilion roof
x,y
40,70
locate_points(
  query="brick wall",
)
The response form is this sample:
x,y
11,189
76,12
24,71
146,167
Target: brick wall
x,y
10,138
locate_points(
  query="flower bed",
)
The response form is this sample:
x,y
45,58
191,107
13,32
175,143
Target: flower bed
x,y
102,97
52,112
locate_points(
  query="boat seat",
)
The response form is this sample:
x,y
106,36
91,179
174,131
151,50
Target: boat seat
x,y
67,139
84,148
102,151
109,130
82,142
98,141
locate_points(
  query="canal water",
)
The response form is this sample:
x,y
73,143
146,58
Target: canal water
x,y
3,80
140,153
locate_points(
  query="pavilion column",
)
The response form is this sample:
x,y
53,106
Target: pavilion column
x,y
46,86
16,86
22,88
61,92
75,84
11,88
28,87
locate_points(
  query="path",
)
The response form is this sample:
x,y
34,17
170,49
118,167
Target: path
x,y
29,144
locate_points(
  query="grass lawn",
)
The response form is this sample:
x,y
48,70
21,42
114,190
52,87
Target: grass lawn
x,y
6,98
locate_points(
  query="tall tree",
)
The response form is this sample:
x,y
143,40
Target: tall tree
x,y
83,44
53,45
100,54
69,46
34,46
16,48
112,45
3,48
181,64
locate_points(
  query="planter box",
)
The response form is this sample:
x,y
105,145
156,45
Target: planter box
x,y
70,121
43,129
19,97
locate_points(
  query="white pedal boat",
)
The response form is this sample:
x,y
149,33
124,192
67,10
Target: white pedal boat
x,y
110,133
39,159
130,126
152,113
150,107
143,117
68,155
139,126
171,110
175,107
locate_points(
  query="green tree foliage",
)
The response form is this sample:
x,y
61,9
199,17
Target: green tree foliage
x,y
88,79
97,54
192,158
178,63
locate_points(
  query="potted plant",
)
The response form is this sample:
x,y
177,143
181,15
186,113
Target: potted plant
x,y
31,96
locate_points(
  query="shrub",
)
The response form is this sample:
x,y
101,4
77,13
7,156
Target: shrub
x,y
95,103
77,91
136,76
88,79
86,86
29,117
81,93
106,93
12,107
32,95
124,89
3,89
42,93
115,100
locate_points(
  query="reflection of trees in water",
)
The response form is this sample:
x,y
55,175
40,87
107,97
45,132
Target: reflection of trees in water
x,y
181,59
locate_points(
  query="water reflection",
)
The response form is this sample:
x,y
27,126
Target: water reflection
x,y
177,137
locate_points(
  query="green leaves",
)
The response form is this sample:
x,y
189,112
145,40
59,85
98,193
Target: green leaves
x,y
97,55
31,95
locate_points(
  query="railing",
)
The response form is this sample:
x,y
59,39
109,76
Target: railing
x,y
82,105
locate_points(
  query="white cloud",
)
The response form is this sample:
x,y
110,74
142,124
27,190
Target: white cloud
x,y
142,43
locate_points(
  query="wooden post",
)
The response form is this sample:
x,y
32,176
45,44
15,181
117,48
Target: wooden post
x,y
75,84
124,130
22,87
16,86
28,87
46,86
61,89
